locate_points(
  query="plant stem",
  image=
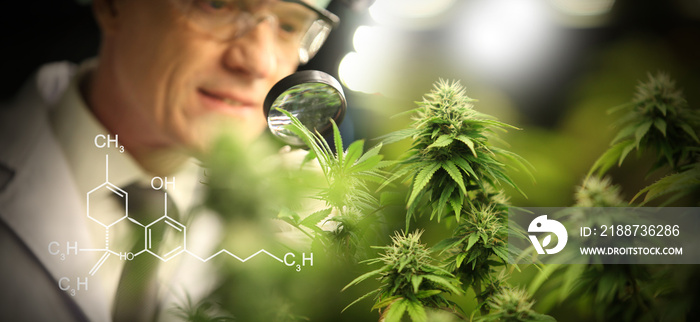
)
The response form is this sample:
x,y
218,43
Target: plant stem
x,y
479,298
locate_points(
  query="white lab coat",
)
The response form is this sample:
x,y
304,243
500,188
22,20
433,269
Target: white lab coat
x,y
40,213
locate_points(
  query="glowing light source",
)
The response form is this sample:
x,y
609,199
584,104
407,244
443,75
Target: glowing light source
x,y
412,14
375,48
365,39
503,37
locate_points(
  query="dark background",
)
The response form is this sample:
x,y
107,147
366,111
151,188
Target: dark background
x,y
37,32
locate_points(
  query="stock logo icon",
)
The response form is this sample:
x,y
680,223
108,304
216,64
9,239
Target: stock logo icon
x,y
543,225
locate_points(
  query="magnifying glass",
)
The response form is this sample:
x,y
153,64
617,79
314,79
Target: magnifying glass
x,y
312,96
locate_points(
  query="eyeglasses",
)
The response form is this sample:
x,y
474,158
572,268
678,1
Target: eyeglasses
x,y
300,27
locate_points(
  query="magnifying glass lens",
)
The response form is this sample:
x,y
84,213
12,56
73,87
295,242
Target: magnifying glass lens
x,y
313,97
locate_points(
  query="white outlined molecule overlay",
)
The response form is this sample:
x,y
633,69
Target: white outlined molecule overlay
x,y
161,226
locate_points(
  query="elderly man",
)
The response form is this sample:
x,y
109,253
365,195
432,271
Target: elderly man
x,y
169,75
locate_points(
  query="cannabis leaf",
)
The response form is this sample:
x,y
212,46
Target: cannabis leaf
x,y
451,154
347,193
657,119
512,304
410,281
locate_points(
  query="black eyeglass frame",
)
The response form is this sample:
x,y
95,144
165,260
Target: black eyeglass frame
x,y
324,14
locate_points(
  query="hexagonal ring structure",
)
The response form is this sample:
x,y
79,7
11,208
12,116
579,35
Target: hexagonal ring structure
x,y
100,218
169,245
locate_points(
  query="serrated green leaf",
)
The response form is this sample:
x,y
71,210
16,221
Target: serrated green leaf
x,y
662,108
460,258
416,312
370,153
396,310
499,124
427,293
624,133
289,216
624,153
415,281
690,131
618,108
456,175
309,139
366,165
385,302
338,142
314,218
362,278
396,175
421,180
442,141
360,299
466,140
641,131
501,253
473,238
444,283
447,244
456,206
353,153
660,124
445,195
323,144
464,165
682,183
522,164
609,158
398,136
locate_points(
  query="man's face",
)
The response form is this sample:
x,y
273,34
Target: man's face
x,y
187,83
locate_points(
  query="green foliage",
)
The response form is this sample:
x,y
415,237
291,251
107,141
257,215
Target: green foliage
x,y
620,291
677,185
597,192
410,280
451,155
347,192
478,246
512,304
658,119
250,180
659,122
453,170
479,239
235,187
203,311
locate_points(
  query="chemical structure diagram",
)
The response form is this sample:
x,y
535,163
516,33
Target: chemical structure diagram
x,y
158,227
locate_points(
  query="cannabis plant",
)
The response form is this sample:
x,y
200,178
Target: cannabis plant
x,y
598,192
657,119
622,292
346,194
450,155
447,131
479,238
511,305
454,173
660,121
410,280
